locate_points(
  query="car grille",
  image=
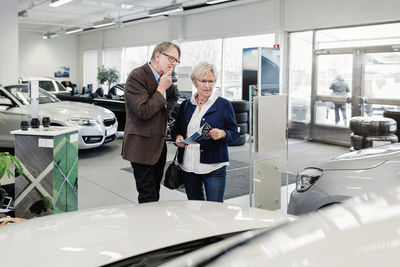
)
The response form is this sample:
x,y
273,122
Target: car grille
x,y
109,122
92,139
109,138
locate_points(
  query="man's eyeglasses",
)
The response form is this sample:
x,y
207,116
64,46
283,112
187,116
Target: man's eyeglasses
x,y
171,59
203,82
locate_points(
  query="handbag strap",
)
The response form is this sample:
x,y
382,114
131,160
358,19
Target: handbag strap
x,y
176,154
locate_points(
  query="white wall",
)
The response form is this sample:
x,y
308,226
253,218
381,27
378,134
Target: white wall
x,y
244,17
9,42
311,14
42,57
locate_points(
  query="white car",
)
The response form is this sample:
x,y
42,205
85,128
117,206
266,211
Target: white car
x,y
363,231
96,125
48,84
152,232
345,176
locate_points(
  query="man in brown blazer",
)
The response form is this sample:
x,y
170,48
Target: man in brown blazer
x,y
149,97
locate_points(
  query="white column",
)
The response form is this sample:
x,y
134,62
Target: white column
x,y
8,42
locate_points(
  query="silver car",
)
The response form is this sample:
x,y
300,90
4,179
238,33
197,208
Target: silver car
x,y
152,233
363,231
345,176
96,125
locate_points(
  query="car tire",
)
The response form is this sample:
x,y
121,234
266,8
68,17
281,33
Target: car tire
x,y
242,128
241,141
242,117
240,106
357,141
373,141
395,115
365,126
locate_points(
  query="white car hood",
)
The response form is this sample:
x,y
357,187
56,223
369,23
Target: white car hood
x,y
364,158
62,111
99,236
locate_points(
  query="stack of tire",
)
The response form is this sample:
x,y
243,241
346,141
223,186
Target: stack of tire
x,y
393,114
241,108
370,132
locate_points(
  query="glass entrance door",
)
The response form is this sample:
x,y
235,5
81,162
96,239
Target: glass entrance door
x,y
352,82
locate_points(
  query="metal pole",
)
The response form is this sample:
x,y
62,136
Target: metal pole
x,y
251,145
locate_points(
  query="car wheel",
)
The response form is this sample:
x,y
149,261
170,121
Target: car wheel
x,y
240,106
357,141
242,128
366,126
372,141
242,117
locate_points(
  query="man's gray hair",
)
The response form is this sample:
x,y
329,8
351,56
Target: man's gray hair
x,y
160,48
201,69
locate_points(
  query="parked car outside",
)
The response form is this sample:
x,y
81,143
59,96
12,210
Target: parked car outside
x,y
363,231
153,232
96,125
48,84
345,176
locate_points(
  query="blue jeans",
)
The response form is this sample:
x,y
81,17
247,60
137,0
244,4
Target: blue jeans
x,y
214,183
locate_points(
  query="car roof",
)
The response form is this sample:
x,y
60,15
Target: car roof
x,y
99,236
37,79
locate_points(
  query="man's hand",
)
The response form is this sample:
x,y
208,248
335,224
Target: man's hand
x,y
165,81
178,139
217,134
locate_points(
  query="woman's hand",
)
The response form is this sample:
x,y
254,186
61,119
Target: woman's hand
x,y
217,134
178,139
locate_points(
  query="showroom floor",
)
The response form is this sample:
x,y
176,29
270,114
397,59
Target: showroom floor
x,y
106,179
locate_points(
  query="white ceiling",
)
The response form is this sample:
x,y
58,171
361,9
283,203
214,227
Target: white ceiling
x,y
83,13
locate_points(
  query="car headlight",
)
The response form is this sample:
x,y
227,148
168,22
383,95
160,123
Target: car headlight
x,y
85,122
306,178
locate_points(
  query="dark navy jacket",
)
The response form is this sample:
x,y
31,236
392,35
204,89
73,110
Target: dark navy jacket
x,y
220,115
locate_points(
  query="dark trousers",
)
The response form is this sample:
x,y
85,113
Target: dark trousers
x,y
148,178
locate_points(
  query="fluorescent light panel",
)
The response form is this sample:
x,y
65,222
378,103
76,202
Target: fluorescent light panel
x,y
103,23
212,2
57,3
73,30
49,35
165,10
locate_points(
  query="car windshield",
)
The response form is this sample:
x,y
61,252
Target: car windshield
x,y
21,92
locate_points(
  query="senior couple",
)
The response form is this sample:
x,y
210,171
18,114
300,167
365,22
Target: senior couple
x,y
149,97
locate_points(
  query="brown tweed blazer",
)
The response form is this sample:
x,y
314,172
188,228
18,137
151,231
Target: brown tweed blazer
x,y
146,116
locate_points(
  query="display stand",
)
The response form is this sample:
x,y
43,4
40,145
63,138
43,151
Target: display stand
x,y
49,184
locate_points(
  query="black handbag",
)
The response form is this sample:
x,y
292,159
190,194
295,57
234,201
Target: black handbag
x,y
173,175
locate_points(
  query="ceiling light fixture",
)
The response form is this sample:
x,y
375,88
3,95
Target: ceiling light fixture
x,y
23,13
165,10
73,30
104,23
49,35
213,2
57,3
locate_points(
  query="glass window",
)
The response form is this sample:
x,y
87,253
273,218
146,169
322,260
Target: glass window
x,y
232,61
331,67
61,87
374,35
300,69
47,85
134,57
112,58
197,51
90,63
382,75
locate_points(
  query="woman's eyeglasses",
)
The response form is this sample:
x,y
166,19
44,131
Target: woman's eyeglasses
x,y
203,82
171,59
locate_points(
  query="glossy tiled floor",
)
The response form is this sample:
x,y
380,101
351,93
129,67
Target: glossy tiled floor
x,y
103,180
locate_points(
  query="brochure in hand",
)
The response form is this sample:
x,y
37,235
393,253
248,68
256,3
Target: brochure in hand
x,y
199,136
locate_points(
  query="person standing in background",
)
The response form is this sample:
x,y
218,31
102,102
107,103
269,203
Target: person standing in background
x,y
205,163
149,97
340,88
